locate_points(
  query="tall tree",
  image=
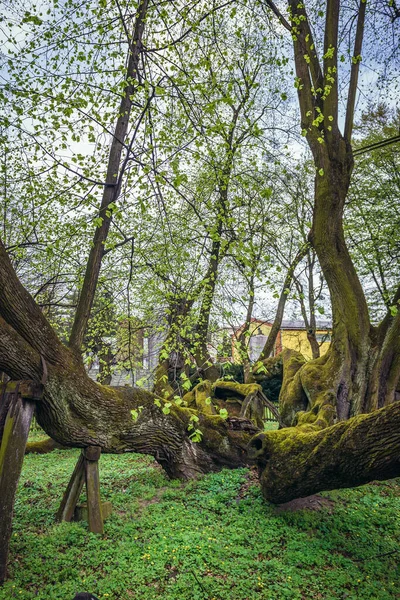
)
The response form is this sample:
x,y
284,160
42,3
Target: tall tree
x,y
362,368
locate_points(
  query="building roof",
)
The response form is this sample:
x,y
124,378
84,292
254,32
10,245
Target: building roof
x,y
299,324
289,324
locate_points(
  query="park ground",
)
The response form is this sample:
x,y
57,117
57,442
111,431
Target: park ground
x,y
214,538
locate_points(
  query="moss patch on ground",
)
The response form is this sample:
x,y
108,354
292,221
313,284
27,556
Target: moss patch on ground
x,y
211,538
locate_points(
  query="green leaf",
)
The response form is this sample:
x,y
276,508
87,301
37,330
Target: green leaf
x,y
167,408
223,413
196,436
29,18
186,385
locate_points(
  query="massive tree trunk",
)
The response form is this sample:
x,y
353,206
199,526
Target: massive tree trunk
x,y
347,454
323,446
76,411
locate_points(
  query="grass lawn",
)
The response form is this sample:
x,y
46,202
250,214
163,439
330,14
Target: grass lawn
x,y
212,538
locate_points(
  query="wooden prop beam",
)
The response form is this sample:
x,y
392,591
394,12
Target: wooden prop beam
x,y
95,517
72,493
16,412
86,471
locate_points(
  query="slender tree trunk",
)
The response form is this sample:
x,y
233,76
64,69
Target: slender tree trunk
x,y
105,364
202,356
243,340
312,327
172,360
112,186
270,343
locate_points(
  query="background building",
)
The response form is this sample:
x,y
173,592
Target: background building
x,y
292,334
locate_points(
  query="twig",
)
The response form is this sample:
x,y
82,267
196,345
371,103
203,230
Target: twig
x,y
377,555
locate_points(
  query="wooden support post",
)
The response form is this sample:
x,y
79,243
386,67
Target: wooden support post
x,y
95,517
13,443
86,471
72,493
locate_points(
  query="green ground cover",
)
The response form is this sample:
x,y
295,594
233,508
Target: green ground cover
x,y
213,538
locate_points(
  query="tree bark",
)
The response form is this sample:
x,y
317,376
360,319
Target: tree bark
x,y
348,454
76,411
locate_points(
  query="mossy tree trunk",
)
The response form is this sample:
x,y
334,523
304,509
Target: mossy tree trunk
x,y
329,442
76,411
348,454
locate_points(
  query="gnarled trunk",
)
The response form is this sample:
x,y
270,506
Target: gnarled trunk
x,y
347,454
323,447
76,411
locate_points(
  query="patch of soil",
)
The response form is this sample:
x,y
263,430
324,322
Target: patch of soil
x,y
251,479
145,503
313,502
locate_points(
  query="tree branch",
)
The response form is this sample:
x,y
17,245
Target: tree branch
x,y
20,311
270,343
330,91
355,68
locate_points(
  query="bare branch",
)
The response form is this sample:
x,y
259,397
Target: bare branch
x,y
355,68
